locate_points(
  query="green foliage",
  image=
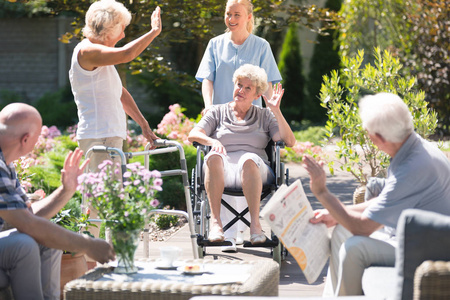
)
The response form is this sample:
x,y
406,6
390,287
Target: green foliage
x,y
7,97
325,58
173,189
57,108
371,23
313,134
427,55
340,94
13,9
416,31
166,91
123,204
165,221
294,104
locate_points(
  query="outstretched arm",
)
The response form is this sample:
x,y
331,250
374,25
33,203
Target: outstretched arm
x,y
54,236
274,103
349,217
130,107
97,55
49,206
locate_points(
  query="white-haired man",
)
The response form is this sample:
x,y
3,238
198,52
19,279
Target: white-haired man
x,y
418,177
29,261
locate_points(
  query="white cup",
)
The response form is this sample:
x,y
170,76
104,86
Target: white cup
x,y
169,255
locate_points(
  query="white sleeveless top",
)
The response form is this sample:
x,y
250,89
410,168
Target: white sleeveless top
x,y
97,95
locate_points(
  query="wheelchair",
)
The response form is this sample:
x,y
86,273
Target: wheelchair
x,y
201,209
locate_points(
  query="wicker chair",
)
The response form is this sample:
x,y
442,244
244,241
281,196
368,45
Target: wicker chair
x,y
432,280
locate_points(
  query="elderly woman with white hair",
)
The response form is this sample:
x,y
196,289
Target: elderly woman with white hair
x,y
238,133
101,100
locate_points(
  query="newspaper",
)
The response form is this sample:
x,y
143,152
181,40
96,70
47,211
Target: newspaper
x,y
288,213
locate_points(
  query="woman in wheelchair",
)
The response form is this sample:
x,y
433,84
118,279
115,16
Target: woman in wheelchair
x,y
238,133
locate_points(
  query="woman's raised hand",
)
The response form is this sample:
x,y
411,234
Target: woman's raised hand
x,y
275,101
156,20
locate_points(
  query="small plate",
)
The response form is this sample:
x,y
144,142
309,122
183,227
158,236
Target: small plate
x,y
166,268
197,272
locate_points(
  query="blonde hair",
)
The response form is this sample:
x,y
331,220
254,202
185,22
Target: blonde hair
x,y
256,74
248,6
104,18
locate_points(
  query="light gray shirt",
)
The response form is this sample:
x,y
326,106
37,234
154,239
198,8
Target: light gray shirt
x,y
418,177
251,135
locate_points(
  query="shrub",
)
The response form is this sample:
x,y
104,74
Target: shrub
x,y
166,221
340,93
294,104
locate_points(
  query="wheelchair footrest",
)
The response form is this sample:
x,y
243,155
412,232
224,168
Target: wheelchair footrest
x,y
268,243
201,241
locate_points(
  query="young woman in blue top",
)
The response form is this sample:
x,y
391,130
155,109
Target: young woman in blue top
x,y
227,52
224,55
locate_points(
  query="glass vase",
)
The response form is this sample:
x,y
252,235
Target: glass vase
x,y
125,244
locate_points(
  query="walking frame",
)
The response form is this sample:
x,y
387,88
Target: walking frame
x,y
164,146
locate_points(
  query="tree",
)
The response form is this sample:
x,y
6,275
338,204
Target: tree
x,y
174,56
325,59
290,65
428,57
340,93
415,31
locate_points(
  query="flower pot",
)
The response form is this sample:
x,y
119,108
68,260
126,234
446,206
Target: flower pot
x,y
125,244
72,267
359,194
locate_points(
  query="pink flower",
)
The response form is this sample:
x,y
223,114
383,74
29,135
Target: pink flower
x,y
41,193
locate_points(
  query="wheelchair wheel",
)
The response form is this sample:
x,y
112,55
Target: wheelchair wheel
x,y
195,200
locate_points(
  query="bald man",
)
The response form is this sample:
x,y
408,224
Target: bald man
x,y
29,259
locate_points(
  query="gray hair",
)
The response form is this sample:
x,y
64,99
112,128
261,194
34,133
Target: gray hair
x,y
104,18
256,74
387,115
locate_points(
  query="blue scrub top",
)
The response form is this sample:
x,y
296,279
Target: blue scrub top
x,y
222,57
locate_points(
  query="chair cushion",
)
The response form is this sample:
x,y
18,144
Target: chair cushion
x,y
422,235
379,282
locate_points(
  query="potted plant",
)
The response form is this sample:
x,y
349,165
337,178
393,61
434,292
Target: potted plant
x,y
124,206
71,217
340,93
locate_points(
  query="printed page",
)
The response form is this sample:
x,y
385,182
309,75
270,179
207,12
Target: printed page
x,y
288,213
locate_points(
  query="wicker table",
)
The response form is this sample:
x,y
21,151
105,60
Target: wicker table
x,y
255,278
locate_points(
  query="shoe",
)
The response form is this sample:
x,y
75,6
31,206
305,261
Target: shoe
x,y
216,234
240,238
257,238
231,248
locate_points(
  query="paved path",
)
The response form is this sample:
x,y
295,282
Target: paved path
x,y
292,281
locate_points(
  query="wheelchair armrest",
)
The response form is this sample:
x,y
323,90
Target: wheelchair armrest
x,y
201,147
280,144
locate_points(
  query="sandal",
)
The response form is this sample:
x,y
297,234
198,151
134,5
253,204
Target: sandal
x,y
216,234
257,238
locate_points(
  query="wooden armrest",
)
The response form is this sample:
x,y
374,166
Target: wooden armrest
x,y
432,280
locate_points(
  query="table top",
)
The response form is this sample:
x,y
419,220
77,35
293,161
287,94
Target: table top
x,y
258,278
209,273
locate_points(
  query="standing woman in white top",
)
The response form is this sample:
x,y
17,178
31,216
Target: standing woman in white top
x,y
227,52
101,99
